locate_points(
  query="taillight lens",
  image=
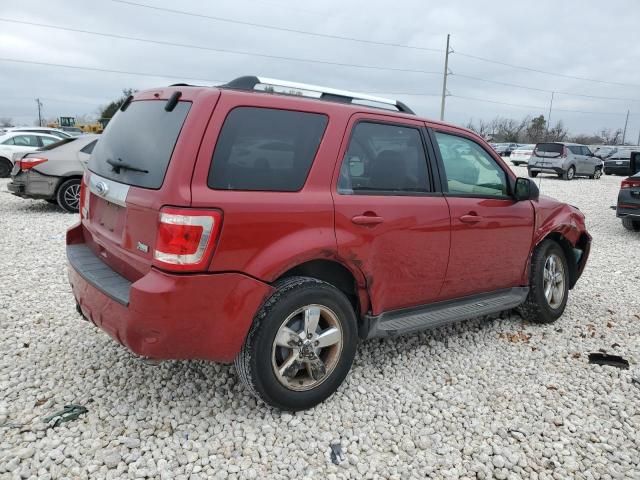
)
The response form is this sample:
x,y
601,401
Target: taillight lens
x,y
564,152
85,193
628,183
29,162
185,238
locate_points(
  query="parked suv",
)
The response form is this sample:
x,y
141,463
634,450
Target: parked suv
x,y
567,160
252,223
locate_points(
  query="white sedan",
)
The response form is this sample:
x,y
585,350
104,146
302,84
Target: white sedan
x,y
522,154
20,142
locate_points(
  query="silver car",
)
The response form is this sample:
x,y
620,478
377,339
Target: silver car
x,y
567,160
54,173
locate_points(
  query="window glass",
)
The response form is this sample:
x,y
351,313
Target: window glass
x,y
385,159
575,149
9,141
48,141
469,169
265,149
586,151
88,148
26,140
142,137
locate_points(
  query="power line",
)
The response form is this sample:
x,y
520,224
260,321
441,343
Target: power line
x,y
531,69
96,69
273,27
535,107
222,50
498,82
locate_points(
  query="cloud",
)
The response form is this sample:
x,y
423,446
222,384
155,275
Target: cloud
x,y
564,37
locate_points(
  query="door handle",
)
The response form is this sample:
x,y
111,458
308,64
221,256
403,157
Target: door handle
x,y
470,218
367,220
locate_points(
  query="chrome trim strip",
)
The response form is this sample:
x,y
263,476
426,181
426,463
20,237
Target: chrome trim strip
x,y
331,91
114,192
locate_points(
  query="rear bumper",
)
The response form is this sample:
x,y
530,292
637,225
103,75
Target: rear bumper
x,y
32,184
163,315
618,169
628,203
545,169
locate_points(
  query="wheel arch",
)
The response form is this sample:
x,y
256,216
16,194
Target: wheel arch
x,y
340,276
61,180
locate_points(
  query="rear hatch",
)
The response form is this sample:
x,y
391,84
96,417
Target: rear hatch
x,y
143,161
547,154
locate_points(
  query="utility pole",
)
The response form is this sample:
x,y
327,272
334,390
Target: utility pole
x,y
444,80
39,111
638,139
624,132
546,135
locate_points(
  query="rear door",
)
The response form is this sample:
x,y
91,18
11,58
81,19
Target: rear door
x,y
143,161
391,220
491,233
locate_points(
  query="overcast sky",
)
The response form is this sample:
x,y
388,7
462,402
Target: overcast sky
x,y
601,42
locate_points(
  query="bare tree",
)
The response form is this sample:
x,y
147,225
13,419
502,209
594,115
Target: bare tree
x,y
536,129
611,137
558,133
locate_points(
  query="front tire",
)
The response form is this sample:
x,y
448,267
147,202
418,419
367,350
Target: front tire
x,y
68,195
548,284
5,167
533,174
596,174
301,344
631,225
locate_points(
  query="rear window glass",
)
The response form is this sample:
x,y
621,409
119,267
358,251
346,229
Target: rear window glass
x,y
141,139
549,149
265,149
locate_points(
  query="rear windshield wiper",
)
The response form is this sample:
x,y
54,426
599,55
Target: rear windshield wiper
x,y
116,166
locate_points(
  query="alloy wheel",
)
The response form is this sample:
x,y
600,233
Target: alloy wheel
x,y
553,281
307,347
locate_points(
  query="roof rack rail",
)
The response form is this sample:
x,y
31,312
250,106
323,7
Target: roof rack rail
x,y
306,90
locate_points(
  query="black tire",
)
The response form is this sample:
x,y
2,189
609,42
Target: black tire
x,y
533,174
631,225
254,362
5,167
596,174
516,163
607,172
570,173
536,307
68,195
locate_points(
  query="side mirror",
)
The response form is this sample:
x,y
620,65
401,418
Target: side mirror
x,y
526,189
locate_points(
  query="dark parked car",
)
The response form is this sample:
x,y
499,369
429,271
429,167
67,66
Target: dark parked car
x,y
505,149
53,173
274,224
618,163
628,208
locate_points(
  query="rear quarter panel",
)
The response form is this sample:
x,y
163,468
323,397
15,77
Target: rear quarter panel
x,y
264,234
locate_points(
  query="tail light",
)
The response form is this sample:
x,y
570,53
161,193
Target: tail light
x,y
185,238
85,193
564,152
29,162
630,183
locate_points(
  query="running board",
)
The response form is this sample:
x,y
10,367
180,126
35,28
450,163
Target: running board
x,y
398,322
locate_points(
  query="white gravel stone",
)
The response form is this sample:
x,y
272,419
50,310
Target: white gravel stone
x,y
484,399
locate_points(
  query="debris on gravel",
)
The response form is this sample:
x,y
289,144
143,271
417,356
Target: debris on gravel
x,y
488,398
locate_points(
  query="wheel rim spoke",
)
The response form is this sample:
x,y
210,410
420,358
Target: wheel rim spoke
x,y
553,281
287,338
329,337
288,363
311,319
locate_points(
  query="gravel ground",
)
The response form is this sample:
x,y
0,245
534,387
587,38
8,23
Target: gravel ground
x,y
482,399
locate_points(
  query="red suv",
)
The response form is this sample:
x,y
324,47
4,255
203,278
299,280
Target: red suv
x,y
274,224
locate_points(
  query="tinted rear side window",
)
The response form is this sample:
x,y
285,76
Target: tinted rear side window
x,y
265,149
141,137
